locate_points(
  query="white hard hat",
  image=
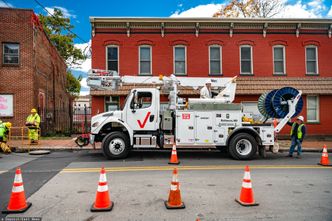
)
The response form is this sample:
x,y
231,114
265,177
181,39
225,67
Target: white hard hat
x,y
301,118
208,81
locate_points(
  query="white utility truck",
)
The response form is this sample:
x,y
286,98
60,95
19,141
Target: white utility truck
x,y
193,123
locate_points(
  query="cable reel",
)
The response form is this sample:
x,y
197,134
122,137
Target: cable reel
x,y
274,104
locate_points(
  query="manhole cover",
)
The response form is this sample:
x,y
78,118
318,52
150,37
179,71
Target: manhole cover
x,y
39,152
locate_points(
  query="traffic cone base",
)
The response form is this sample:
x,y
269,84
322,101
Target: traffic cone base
x,y
8,211
94,209
168,206
174,163
328,165
246,204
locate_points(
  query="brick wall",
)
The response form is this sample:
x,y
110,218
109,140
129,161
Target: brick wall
x,y
41,70
17,79
197,52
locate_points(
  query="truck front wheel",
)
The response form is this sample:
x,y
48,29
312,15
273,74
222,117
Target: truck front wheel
x,y
242,146
116,145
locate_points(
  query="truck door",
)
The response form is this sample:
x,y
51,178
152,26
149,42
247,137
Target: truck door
x,y
143,111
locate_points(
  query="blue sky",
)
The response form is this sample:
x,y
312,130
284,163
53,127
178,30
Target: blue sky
x,y
80,10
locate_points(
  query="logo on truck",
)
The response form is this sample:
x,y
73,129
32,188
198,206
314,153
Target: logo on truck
x,y
142,125
185,116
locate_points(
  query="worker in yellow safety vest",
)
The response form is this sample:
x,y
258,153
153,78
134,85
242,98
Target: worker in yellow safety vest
x,y
4,131
297,134
32,123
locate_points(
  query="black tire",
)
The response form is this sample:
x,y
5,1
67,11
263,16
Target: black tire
x,y
120,143
80,141
242,146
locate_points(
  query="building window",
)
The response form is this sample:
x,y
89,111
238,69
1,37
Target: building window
x,y
312,109
113,58
215,59
246,59
311,59
279,60
145,58
11,53
111,103
180,60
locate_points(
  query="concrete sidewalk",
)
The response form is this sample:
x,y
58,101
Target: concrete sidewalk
x,y
69,144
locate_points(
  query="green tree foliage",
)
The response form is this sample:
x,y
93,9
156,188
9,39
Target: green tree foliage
x,y
73,84
58,29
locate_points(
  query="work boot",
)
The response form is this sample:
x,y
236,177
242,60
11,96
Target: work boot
x,y
299,157
289,155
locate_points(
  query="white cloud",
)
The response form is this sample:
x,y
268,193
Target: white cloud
x,y
84,83
65,11
86,65
298,9
85,90
198,11
329,14
4,5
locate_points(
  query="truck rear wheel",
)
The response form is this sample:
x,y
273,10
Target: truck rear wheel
x,y
242,146
116,145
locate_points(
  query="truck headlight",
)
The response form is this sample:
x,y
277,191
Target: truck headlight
x,y
95,124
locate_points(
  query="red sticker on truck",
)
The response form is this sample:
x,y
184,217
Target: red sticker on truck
x,y
185,116
142,125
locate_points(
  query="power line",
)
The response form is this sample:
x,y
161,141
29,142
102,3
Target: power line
x,y
76,35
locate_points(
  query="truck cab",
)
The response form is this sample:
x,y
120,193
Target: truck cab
x,y
136,125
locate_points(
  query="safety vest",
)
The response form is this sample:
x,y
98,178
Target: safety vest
x,y
299,130
34,119
3,130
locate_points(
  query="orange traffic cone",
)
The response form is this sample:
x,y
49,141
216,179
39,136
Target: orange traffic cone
x,y
102,202
17,202
174,156
324,161
246,195
174,198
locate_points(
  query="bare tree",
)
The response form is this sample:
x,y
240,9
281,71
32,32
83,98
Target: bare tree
x,y
251,9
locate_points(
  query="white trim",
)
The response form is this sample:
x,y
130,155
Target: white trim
x,y
18,189
139,59
284,59
103,188
174,187
102,178
246,185
18,178
305,59
251,60
185,60
220,61
317,111
118,48
246,175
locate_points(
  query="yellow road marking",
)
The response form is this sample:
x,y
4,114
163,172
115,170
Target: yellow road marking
x,y
209,167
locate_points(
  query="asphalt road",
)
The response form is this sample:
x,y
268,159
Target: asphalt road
x,y
62,186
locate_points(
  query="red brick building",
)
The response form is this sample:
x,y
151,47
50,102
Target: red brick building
x,y
265,54
32,73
